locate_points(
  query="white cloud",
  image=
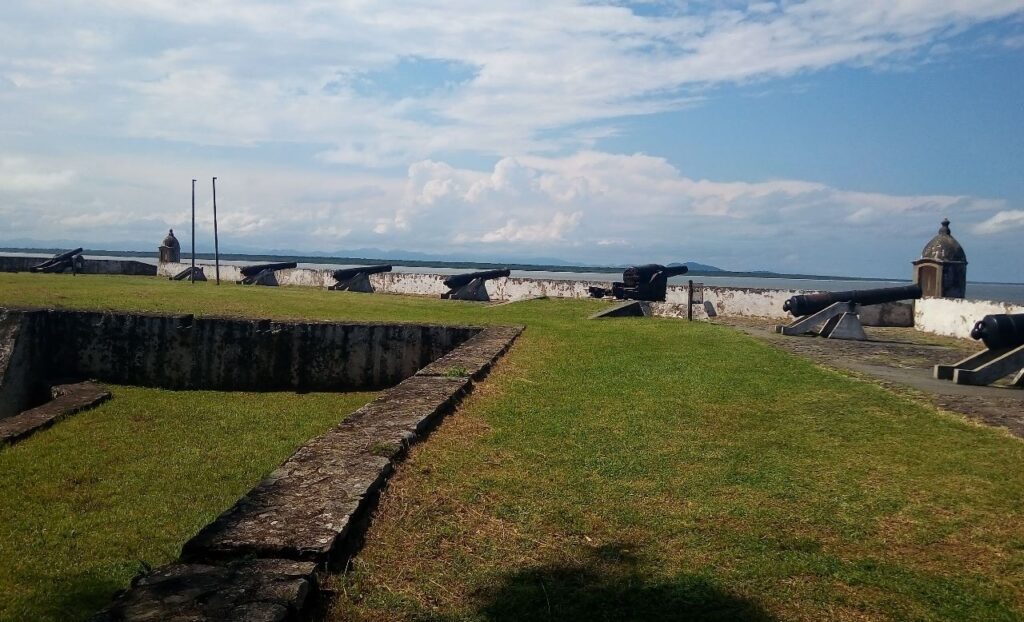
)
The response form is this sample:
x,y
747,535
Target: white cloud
x,y
551,231
1001,222
303,110
234,72
20,175
590,206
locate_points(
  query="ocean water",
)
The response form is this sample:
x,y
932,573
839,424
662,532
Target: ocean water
x,y
1001,292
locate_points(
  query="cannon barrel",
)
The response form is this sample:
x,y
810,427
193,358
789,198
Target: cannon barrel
x,y
458,280
344,274
675,271
56,259
646,273
806,304
1002,330
260,267
67,255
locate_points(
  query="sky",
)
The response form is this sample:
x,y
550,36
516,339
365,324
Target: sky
x,y
822,136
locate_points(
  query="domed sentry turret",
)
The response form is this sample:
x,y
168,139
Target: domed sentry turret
x,y
942,269
170,249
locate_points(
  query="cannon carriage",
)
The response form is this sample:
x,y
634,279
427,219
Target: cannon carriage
x,y
833,315
356,279
471,285
1003,336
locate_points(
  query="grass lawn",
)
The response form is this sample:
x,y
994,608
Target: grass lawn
x,y
95,499
653,469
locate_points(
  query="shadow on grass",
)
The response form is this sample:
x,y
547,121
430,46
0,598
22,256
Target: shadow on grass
x,y
69,597
611,586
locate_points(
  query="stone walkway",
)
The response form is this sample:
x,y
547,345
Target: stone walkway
x,y
902,359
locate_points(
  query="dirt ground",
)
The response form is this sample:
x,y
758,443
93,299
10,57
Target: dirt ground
x,y
902,359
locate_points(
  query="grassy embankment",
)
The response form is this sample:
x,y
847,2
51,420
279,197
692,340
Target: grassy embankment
x,y
654,469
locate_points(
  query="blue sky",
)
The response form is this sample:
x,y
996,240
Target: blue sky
x,y
826,136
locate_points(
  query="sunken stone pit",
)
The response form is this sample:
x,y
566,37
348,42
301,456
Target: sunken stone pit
x,y
262,557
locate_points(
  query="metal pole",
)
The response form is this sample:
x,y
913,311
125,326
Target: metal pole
x,y
689,300
216,245
192,275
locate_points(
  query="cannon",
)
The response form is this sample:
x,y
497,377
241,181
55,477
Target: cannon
x,y
61,262
263,273
1000,331
470,286
807,304
1003,336
833,315
356,279
648,282
191,274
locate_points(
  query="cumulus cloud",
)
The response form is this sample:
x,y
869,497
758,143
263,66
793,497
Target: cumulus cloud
x,y
590,206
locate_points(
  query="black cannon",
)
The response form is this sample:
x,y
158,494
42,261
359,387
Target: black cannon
x,y
189,274
647,282
61,262
807,304
1003,336
356,279
1000,331
470,286
263,273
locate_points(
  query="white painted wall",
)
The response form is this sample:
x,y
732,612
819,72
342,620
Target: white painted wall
x,y
726,300
955,317
942,316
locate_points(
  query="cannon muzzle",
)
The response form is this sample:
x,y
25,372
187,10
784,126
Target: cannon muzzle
x,y
458,280
344,274
1002,330
806,304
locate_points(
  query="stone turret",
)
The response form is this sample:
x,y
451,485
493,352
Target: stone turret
x,y
942,269
170,250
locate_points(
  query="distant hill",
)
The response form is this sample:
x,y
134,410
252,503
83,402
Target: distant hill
x,y
695,266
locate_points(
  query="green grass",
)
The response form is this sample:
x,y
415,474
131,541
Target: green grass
x,y
656,469
87,504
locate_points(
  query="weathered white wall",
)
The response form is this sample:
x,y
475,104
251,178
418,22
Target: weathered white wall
x,y
725,300
956,316
942,316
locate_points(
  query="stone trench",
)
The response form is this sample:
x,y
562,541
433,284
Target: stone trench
x,y
262,558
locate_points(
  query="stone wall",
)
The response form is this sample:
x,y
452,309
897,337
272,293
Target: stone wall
x,y
19,364
92,266
184,352
955,317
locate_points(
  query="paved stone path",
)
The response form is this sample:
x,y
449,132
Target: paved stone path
x,y
901,358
